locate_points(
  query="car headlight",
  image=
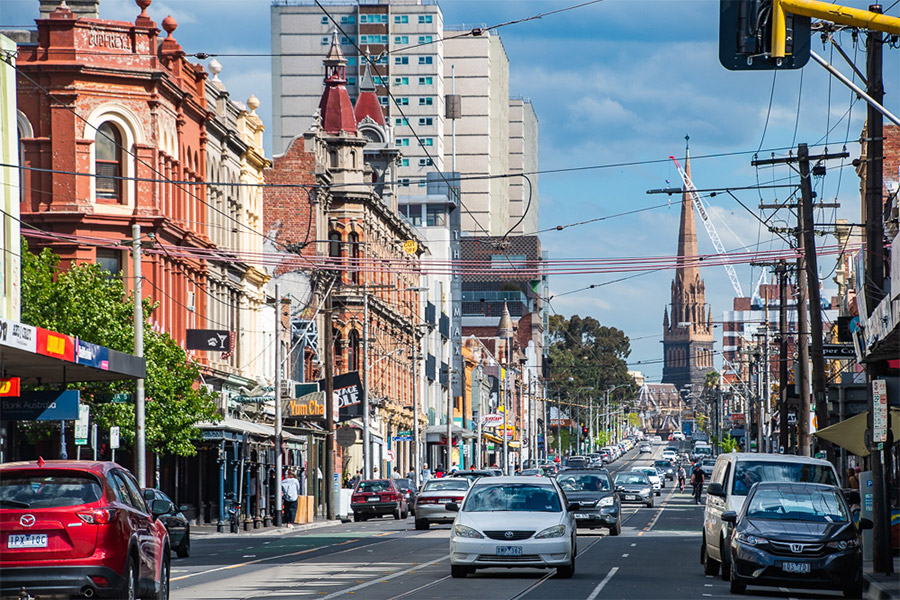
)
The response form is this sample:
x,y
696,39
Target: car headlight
x,y
608,501
551,532
646,490
843,544
750,540
466,532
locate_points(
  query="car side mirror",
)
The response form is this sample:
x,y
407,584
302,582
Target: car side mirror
x,y
573,506
729,516
716,489
619,488
452,506
184,508
865,523
161,507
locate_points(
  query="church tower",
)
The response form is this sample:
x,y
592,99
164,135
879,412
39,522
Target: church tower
x,y
687,329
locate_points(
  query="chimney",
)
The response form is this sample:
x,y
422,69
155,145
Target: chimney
x,y
89,9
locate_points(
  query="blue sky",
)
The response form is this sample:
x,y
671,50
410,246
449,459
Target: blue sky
x,y
615,82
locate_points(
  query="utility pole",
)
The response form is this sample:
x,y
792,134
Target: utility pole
x,y
278,457
329,409
874,274
367,448
417,467
783,440
140,430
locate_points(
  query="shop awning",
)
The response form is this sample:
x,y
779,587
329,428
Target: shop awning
x,y
232,425
850,434
434,431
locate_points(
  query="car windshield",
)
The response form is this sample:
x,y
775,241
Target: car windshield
x,y
662,463
48,490
648,471
709,462
374,486
583,482
631,479
797,504
438,485
513,497
748,472
404,484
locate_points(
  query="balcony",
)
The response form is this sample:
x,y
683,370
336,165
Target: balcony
x,y
445,374
430,313
430,367
444,326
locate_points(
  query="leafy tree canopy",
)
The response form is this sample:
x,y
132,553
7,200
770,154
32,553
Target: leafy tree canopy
x,y
88,302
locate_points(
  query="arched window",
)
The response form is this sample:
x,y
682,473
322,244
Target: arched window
x,y
108,162
337,350
334,246
353,351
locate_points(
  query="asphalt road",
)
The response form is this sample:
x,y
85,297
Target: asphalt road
x,y
657,556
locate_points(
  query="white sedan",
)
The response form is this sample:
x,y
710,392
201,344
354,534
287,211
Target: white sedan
x,y
654,477
513,522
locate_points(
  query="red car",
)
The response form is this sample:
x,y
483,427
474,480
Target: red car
x,y
80,528
375,497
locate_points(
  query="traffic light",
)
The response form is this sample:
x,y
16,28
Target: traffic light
x,y
745,37
584,430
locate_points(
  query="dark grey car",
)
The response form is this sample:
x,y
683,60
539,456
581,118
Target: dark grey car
x,y
598,503
634,487
176,523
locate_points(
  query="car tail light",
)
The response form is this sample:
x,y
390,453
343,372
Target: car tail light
x,y
98,516
357,498
456,499
427,501
391,497
99,581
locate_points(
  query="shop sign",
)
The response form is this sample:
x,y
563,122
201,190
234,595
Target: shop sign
x,y
348,395
57,345
879,410
42,406
310,406
492,420
92,355
18,335
9,386
213,340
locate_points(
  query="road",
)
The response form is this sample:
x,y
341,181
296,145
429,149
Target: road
x,y
656,556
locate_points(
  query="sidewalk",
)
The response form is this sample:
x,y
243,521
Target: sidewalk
x,y
879,586
209,531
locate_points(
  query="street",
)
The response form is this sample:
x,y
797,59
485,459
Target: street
x,y
656,556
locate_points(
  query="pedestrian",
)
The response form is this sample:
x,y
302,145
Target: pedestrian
x,y
290,490
411,474
426,472
396,474
439,471
374,472
852,479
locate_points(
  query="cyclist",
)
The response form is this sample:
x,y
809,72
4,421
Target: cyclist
x,y
681,477
697,482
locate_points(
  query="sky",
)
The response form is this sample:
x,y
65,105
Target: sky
x,y
616,82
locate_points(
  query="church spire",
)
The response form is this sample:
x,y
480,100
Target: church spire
x,y
687,233
335,108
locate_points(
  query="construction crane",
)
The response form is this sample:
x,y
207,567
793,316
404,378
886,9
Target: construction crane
x,y
710,228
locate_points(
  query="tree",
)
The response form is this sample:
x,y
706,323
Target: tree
x,y
89,302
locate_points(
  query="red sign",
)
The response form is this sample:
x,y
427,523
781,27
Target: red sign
x,y
9,386
57,345
737,417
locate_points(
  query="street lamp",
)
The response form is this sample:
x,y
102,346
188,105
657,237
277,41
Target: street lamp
x,y
608,390
415,360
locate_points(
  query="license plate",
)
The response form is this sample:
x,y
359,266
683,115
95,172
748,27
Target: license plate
x,y
790,567
373,499
27,540
630,497
509,550
445,500
582,516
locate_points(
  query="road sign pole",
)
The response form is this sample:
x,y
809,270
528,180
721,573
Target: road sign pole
x,y
140,458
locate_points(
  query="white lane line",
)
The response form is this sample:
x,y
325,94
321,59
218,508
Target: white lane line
x,y
602,584
421,587
361,586
624,556
707,585
633,545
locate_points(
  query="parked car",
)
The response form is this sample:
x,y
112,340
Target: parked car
x,y
598,504
513,522
378,497
176,523
796,535
409,492
733,475
634,487
665,468
434,496
80,528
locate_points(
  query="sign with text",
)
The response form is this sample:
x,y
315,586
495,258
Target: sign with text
x,y
9,386
213,340
492,420
308,406
92,355
880,411
82,425
57,345
839,351
113,437
18,335
348,395
59,405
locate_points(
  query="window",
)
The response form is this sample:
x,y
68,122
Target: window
x,y
401,60
424,18
110,260
426,141
426,121
334,246
108,162
401,80
412,213
401,39
325,41
324,20
426,80
402,142
421,183
383,100
425,39
401,19
403,182
403,101
353,242
401,121
404,162
373,39
379,80
434,215
353,351
351,61
426,60
351,81
426,101
373,18
425,162
348,20
347,41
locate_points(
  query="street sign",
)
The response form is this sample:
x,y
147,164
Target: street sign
x,y
113,437
390,455
345,436
215,340
880,410
121,398
82,425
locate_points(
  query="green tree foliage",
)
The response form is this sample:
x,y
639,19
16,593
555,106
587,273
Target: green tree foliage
x,y
88,302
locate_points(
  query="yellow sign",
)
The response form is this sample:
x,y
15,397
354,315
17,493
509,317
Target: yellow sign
x,y
310,406
410,246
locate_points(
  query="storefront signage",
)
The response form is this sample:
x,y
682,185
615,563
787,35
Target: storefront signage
x,y
18,335
212,340
348,395
838,351
42,406
492,420
92,355
310,406
108,39
9,386
57,345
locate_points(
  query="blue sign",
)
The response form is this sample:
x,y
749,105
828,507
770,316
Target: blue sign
x,y
402,438
42,406
92,355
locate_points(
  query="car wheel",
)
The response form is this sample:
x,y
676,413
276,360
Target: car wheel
x,y
726,563
650,502
405,514
184,550
458,571
657,492
616,529
736,586
397,514
567,571
422,524
129,581
855,590
710,565
163,592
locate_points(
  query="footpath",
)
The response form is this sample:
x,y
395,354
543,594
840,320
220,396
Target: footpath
x,y
879,586
211,531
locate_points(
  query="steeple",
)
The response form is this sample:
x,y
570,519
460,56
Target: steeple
x,y
505,329
367,104
335,108
687,232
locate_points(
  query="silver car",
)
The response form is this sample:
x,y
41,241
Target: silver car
x,y
434,496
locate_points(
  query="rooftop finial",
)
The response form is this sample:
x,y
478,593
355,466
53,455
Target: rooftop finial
x,y
170,25
687,143
215,67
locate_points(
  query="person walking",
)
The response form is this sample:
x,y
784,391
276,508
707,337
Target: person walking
x,y
681,477
852,479
290,490
426,472
396,473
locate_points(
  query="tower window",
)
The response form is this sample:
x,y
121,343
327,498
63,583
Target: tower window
x,y
108,162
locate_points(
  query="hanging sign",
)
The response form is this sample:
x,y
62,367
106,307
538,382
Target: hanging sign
x,y
348,395
18,335
492,420
57,345
213,340
308,406
42,406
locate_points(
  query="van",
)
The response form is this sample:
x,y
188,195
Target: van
x,y
733,475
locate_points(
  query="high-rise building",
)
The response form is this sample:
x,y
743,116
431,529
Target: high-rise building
x,y
688,337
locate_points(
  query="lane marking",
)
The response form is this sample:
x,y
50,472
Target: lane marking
x,y
633,545
421,587
531,587
602,584
372,582
624,556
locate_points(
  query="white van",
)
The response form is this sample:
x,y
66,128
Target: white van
x,y
731,479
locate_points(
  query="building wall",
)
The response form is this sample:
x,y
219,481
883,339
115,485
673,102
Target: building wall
x,y
9,195
523,158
